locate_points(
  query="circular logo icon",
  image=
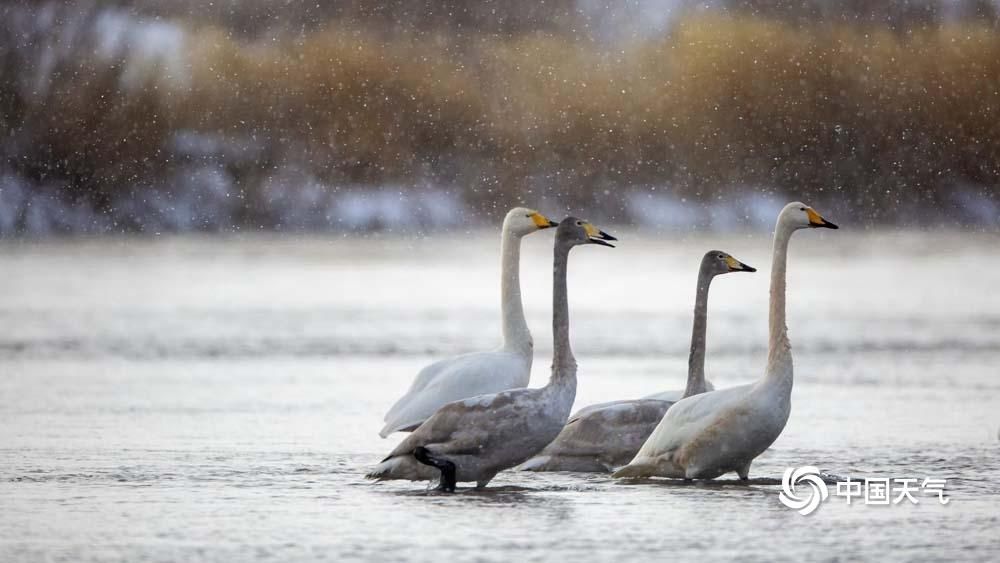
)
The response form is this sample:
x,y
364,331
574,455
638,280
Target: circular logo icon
x,y
803,489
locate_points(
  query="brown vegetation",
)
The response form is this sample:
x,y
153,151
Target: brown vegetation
x,y
720,101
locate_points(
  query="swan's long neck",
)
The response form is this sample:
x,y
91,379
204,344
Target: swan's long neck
x,y
696,359
563,362
779,349
516,335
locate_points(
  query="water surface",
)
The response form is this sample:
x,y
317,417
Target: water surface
x,y
219,399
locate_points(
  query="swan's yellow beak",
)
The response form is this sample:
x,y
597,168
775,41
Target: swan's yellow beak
x,y
597,236
542,222
816,220
737,266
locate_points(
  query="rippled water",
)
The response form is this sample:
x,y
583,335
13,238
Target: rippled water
x,y
214,399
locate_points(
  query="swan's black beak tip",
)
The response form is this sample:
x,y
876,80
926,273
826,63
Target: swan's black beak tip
x,y
745,268
553,223
601,238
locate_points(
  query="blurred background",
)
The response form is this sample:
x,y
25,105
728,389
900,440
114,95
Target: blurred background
x,y
352,115
215,393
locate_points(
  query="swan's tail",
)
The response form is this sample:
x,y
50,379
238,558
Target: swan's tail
x,y
399,467
402,467
534,464
396,426
577,464
388,469
632,471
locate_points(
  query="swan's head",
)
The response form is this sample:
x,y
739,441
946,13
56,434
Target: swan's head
x,y
523,221
800,216
718,262
573,232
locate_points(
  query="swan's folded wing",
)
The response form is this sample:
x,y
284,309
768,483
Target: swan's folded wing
x,y
426,376
609,427
470,424
687,418
676,394
587,410
672,396
455,379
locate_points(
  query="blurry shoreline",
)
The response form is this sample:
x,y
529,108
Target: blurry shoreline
x,y
119,118
28,213
481,237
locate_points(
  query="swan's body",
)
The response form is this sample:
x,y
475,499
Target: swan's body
x,y
708,435
468,375
599,438
664,396
675,395
483,435
475,438
457,378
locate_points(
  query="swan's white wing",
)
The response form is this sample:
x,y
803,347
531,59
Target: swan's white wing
x,y
454,379
687,418
425,377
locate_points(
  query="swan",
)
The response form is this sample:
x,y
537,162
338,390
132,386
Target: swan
x,y
600,437
711,434
475,438
507,367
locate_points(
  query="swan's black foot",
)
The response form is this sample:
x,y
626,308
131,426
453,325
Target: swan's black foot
x,y
447,468
744,472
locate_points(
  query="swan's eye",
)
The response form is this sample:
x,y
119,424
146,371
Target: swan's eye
x,y
579,223
802,209
528,215
719,257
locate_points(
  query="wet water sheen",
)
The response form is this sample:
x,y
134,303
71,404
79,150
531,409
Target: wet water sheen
x,y
219,399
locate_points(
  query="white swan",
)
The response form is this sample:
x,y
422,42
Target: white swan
x,y
475,438
708,435
601,437
507,367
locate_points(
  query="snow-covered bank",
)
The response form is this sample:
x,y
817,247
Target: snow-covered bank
x,y
202,197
